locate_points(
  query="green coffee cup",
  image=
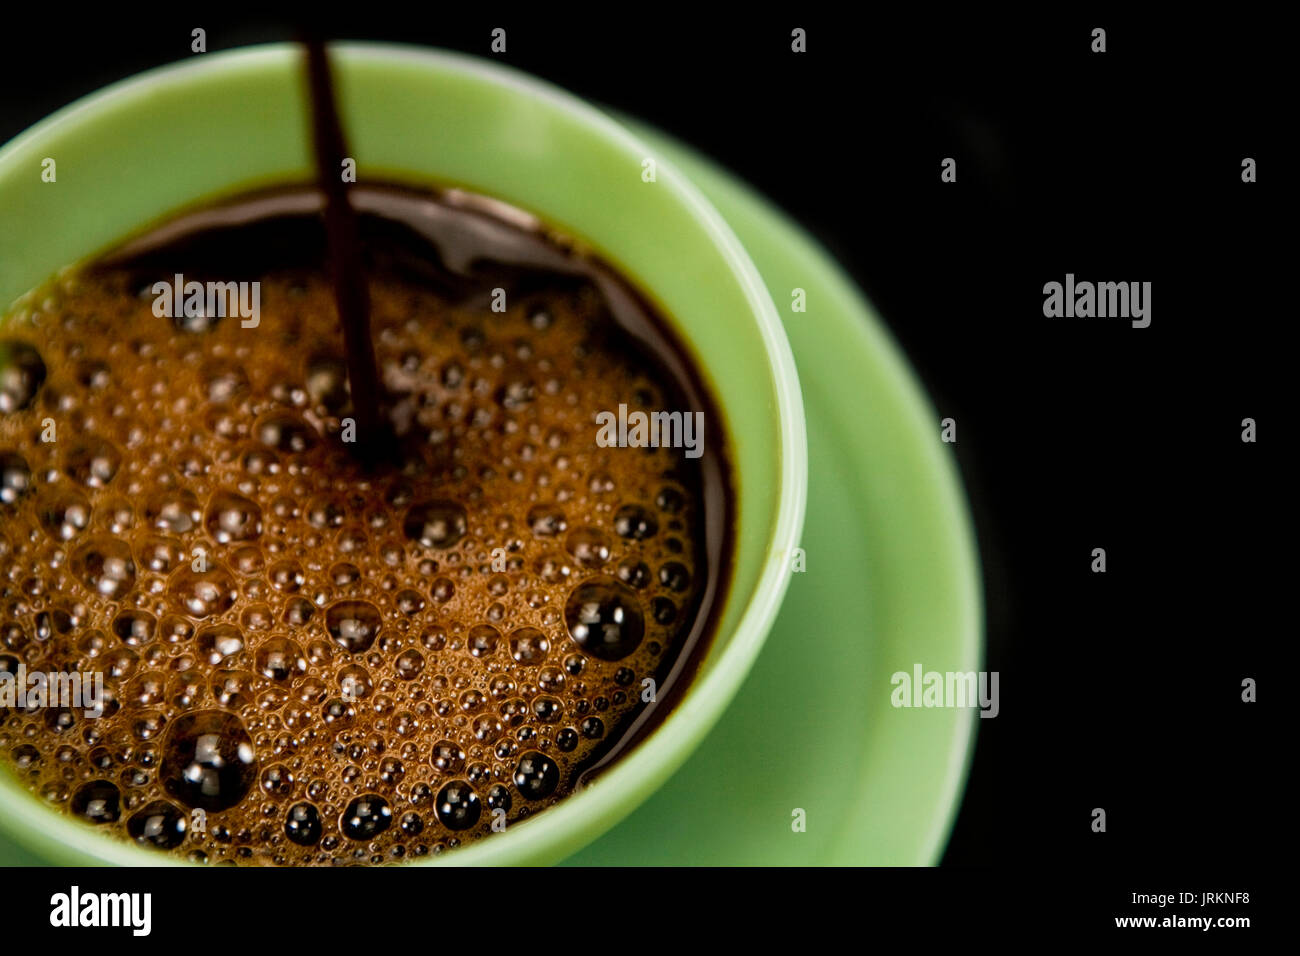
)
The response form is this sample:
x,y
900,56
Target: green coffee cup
x,y
185,135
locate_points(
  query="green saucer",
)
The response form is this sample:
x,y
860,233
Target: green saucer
x,y
892,581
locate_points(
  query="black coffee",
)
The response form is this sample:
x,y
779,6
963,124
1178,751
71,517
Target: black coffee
x,y
309,657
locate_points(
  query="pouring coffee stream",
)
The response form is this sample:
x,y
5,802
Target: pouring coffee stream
x,y
350,292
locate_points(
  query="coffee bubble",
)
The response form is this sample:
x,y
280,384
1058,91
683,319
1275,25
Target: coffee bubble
x,y
104,565
354,625
64,512
528,645
99,802
93,462
201,594
536,775
15,477
219,641
232,517
458,806
285,432
605,618
281,659
302,825
436,524
22,372
635,522
208,761
366,817
160,824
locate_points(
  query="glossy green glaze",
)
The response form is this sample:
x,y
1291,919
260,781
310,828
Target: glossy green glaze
x,y
892,580
184,135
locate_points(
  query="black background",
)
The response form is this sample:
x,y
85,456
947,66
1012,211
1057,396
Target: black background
x,y
1120,690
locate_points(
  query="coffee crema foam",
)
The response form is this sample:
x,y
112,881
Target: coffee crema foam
x,y
336,664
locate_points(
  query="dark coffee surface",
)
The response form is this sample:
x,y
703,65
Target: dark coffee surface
x,y
336,661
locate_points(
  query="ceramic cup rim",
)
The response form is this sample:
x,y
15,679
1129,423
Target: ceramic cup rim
x,y
562,829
